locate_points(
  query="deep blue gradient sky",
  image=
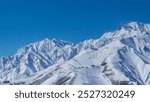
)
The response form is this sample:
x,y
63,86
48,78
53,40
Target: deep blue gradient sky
x,y
26,21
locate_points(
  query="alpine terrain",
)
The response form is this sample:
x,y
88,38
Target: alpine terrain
x,y
121,57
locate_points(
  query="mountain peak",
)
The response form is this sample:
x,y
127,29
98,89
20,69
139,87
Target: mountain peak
x,y
46,39
134,26
55,41
128,30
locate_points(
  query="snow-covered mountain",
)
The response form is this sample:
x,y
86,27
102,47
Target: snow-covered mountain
x,y
120,57
35,57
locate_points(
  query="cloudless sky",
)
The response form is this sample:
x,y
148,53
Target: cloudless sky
x,y
26,21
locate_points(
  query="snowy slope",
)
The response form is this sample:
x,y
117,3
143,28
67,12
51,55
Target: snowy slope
x,y
120,57
115,63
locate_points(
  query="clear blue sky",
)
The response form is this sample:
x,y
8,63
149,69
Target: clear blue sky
x,y
26,21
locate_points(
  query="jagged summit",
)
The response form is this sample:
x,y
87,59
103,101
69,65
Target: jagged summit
x,y
135,26
54,42
128,30
45,44
132,25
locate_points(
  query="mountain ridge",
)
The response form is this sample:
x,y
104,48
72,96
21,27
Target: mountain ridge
x,y
40,56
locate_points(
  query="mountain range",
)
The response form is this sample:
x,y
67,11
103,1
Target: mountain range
x,y
121,57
